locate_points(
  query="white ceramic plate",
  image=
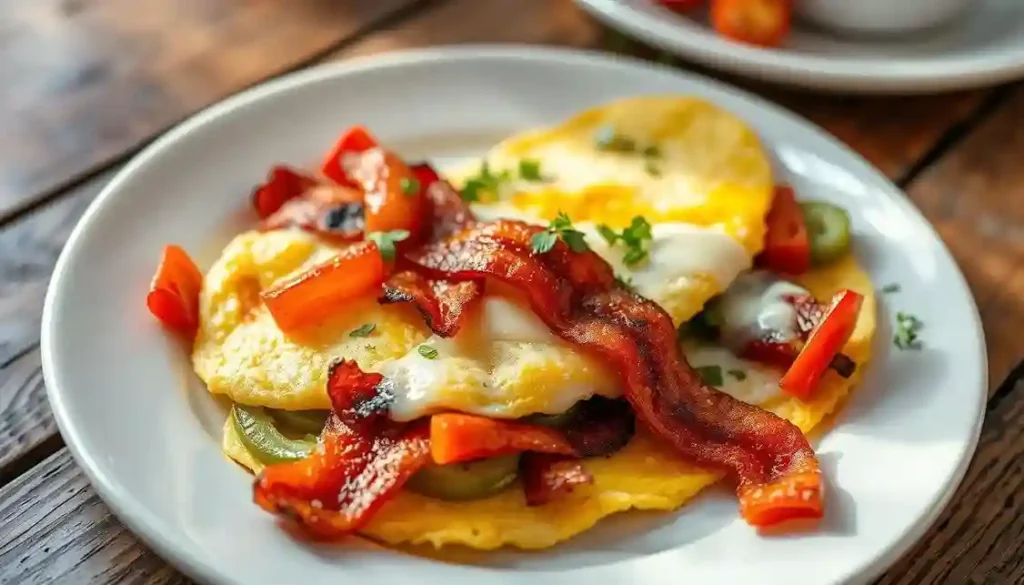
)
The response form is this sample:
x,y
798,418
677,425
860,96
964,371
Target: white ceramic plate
x,y
146,432
984,47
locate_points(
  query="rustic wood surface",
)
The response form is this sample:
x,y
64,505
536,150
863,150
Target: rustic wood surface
x,y
88,82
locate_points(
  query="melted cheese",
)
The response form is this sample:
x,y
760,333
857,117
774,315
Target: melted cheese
x,y
755,307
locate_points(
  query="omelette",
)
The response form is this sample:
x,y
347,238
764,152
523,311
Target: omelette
x,y
703,184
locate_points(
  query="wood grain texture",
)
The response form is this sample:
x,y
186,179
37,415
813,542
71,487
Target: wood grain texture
x,y
25,419
61,532
975,198
73,538
85,81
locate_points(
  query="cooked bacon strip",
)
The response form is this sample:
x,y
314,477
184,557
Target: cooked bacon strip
x,y
332,211
362,460
547,477
597,427
440,302
576,295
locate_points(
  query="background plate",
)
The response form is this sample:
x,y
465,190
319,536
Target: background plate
x,y
147,434
983,48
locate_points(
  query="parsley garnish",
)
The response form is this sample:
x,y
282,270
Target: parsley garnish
x,y
625,282
485,181
608,139
635,238
652,169
907,327
738,374
386,241
712,375
652,152
363,331
427,352
410,186
529,169
891,288
559,228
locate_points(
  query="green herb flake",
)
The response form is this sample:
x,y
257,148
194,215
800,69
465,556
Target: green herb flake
x,y
427,352
529,170
625,282
386,241
485,182
907,328
410,186
635,238
652,169
363,331
652,152
560,228
712,375
738,374
609,140
891,288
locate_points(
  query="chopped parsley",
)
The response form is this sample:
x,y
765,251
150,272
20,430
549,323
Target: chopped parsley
x,y
559,228
891,288
635,238
410,186
608,139
625,282
427,352
386,241
529,170
652,152
907,327
712,375
738,374
486,181
363,331
652,169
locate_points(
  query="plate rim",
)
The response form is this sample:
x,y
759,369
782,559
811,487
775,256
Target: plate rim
x,y
160,537
855,75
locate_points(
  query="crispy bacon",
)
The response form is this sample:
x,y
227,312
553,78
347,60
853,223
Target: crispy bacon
x,y
333,211
440,302
576,295
547,477
596,427
362,460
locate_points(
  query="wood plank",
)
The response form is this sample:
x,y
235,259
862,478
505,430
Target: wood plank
x,y
975,198
88,80
59,530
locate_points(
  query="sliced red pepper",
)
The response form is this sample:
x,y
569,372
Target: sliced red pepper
x,y
282,185
758,22
681,5
393,196
339,160
824,344
787,248
309,297
174,292
577,296
463,437
548,477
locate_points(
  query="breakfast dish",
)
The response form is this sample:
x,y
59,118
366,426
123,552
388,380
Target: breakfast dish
x,y
501,346
148,433
981,44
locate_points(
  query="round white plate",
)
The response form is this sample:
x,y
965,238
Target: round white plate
x,y
146,432
984,47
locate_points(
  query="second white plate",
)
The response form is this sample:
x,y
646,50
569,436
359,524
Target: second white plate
x,y
986,47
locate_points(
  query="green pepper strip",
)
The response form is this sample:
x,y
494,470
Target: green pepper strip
x,y
263,440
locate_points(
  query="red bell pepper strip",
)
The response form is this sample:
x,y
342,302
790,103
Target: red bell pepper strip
x,y
757,22
174,292
307,298
464,437
681,5
577,296
824,343
787,248
282,185
344,155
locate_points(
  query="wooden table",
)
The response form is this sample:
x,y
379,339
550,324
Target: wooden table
x,y
87,83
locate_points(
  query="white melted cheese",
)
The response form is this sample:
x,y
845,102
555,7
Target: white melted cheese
x,y
756,307
744,380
